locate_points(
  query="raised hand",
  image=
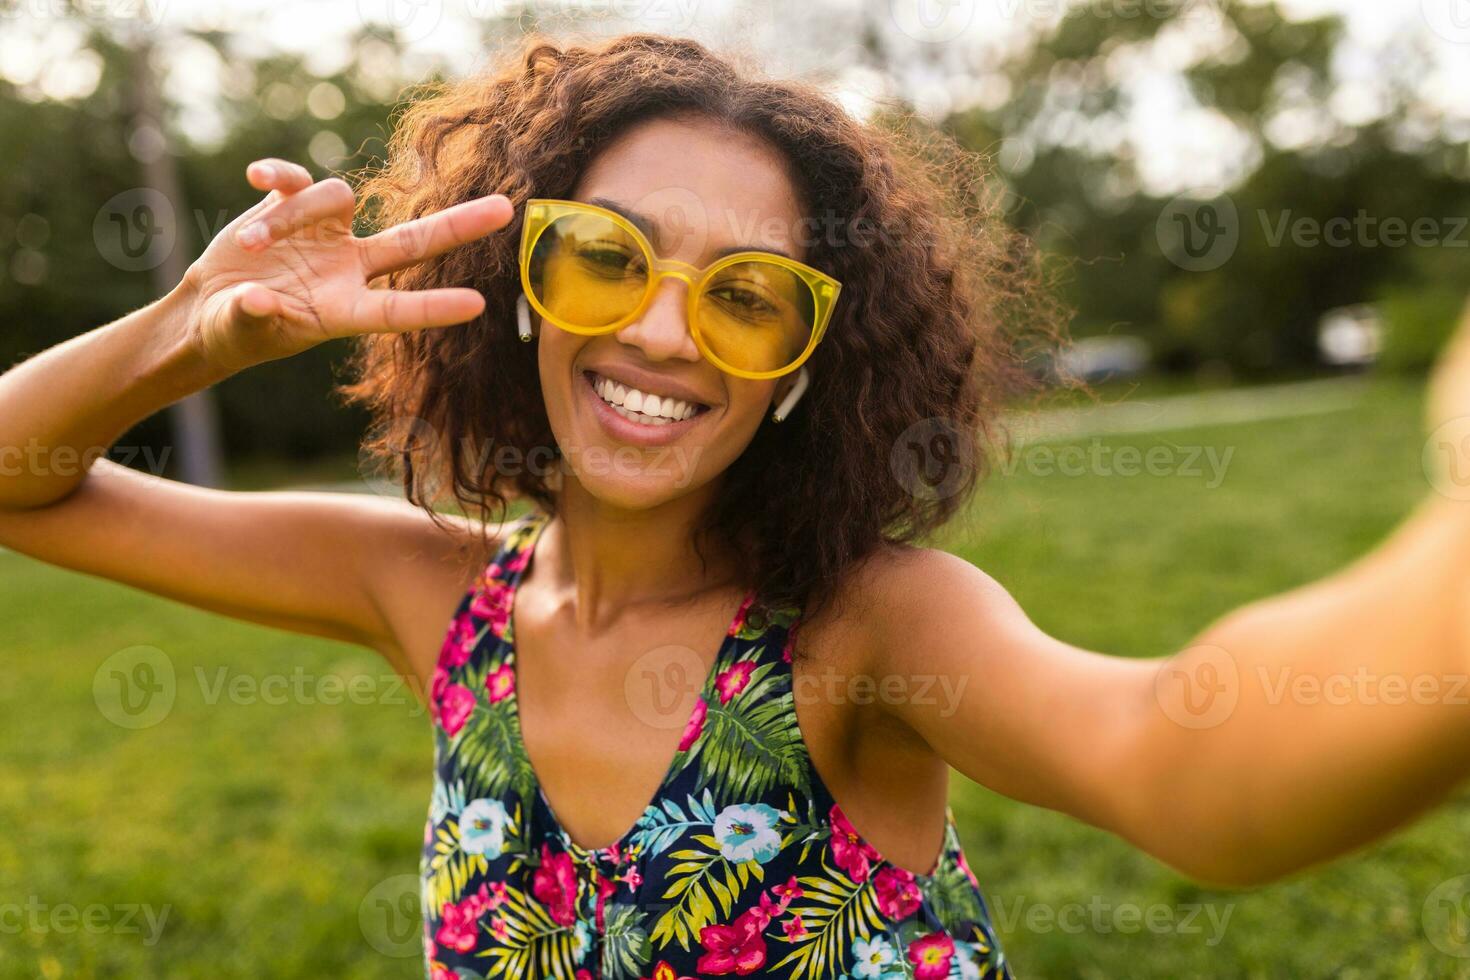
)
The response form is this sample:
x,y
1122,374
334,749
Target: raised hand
x,y
289,274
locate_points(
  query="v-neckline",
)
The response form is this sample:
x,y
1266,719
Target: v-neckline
x,y
512,657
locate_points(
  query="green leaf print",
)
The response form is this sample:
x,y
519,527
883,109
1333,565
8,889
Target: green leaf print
x,y
626,948
487,752
450,868
531,944
662,825
698,881
751,744
835,910
952,896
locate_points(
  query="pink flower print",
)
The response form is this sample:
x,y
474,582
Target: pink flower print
x,y
794,927
605,888
459,922
740,614
898,893
555,885
695,726
500,684
931,956
790,644
852,854
498,895
454,707
731,682
500,928
584,974
736,948
459,643
492,604
518,561
788,892
764,911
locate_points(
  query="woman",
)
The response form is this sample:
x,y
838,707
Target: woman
x,y
611,270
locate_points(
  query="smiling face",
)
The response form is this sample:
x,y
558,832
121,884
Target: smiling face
x,y
640,416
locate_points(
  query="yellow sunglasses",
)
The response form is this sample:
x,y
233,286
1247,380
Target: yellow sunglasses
x,y
589,270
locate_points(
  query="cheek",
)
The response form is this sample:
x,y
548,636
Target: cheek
x,y
748,402
556,352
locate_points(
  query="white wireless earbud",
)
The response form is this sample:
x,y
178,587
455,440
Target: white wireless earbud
x,y
523,318
792,397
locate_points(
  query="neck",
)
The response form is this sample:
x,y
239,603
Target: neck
x,y
609,558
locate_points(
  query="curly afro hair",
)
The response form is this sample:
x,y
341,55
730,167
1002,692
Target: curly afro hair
x,y
942,308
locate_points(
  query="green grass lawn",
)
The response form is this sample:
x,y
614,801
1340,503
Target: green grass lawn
x,y
260,828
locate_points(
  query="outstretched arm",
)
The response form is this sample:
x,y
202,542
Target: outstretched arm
x,y
1288,732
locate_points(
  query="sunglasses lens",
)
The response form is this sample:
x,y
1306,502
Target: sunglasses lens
x,y
587,270
756,316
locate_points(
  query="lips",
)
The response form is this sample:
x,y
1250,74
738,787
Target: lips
x,y
639,415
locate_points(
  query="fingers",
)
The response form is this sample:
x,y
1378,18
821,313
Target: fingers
x,y
328,202
272,174
253,303
422,238
280,178
401,310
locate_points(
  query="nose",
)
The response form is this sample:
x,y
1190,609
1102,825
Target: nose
x,y
662,332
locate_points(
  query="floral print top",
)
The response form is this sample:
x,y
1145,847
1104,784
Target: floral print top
x,y
742,865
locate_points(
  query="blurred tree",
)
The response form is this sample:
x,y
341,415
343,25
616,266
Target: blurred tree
x,y
72,188
1065,146
1057,118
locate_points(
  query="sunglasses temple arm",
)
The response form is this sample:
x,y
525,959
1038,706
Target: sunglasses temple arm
x,y
792,397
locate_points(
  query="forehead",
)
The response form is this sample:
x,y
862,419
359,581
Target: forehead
x,y
703,186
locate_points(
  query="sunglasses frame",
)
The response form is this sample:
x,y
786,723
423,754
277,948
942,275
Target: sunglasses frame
x,y
542,212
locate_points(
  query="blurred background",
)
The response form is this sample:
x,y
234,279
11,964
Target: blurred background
x,y
1260,212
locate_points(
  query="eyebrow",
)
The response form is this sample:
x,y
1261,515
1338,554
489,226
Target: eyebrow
x,y
645,224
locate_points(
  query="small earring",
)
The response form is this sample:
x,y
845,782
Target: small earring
x,y
523,319
792,397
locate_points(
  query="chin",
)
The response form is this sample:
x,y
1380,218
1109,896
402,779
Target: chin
x,y
631,493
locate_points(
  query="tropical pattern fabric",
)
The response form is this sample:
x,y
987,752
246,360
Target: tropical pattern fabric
x,y
742,864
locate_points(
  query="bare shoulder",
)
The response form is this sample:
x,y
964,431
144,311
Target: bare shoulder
x,y
903,600
412,533
422,564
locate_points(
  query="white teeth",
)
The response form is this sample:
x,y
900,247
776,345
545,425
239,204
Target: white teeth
x,y
639,406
